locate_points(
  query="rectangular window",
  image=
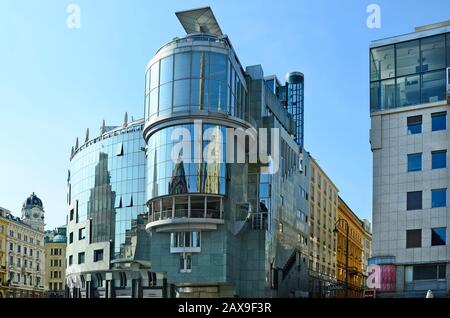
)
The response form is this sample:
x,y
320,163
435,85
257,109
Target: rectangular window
x,y
70,259
438,198
98,255
413,238
185,262
407,58
429,272
439,121
433,52
81,258
382,63
119,149
414,125
438,236
408,90
433,86
414,200
72,212
439,159
414,162
82,233
70,237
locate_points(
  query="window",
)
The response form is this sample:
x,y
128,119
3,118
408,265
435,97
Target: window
x,y
413,238
414,125
181,91
11,247
81,258
165,98
82,233
72,211
439,159
70,237
154,75
438,121
414,200
182,67
433,53
438,198
382,63
70,260
119,149
438,236
414,162
408,90
98,255
425,272
407,58
166,71
185,239
185,262
433,86
19,248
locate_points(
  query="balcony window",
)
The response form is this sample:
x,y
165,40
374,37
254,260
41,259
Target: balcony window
x,y
408,58
433,53
433,86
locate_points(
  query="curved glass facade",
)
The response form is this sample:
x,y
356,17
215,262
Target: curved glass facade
x,y
107,183
176,170
193,81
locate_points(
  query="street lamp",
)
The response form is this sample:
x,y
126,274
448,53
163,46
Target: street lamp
x,y
335,231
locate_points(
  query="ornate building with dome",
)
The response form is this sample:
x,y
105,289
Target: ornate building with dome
x,y
33,212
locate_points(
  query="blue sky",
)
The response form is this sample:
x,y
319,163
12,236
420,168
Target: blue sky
x,y
55,82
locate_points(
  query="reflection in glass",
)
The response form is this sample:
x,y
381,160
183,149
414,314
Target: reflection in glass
x,y
166,70
433,53
382,64
182,65
433,86
408,90
408,58
154,75
181,91
165,98
387,91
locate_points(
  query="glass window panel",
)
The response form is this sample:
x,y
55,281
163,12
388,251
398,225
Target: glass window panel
x,y
387,92
438,236
181,91
438,198
408,90
200,64
375,96
433,86
448,51
441,271
414,200
166,70
217,95
415,162
153,102
154,75
438,121
413,238
147,82
425,272
414,125
408,58
182,65
439,159
165,98
433,53
196,98
382,64
218,66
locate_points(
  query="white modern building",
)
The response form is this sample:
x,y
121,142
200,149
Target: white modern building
x,y
409,137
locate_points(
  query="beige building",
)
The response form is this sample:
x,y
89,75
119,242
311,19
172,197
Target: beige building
x,y
25,260
3,253
366,247
322,249
55,262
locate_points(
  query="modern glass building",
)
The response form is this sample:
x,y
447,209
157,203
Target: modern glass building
x,y
108,249
409,138
219,228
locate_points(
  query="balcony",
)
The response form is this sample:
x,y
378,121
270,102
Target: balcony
x,y
185,213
